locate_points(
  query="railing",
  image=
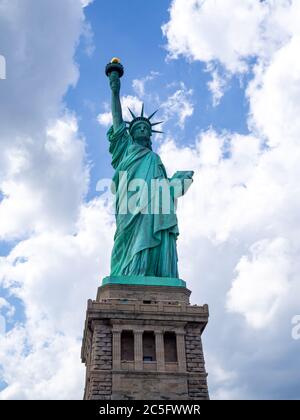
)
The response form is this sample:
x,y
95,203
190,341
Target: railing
x,y
150,308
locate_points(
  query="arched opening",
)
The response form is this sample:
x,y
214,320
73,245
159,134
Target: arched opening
x,y
170,347
127,346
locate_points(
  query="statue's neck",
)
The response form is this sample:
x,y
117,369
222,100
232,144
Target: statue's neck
x,y
144,142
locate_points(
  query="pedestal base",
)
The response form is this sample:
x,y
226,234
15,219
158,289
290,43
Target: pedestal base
x,y
144,342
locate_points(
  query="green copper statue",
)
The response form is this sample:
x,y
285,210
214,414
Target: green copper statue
x,y
145,240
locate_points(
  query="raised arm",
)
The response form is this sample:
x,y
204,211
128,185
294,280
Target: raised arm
x,y
116,108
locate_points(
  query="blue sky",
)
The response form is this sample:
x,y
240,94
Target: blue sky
x,y
225,77
134,34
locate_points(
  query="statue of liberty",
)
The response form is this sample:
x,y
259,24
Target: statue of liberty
x,y
145,240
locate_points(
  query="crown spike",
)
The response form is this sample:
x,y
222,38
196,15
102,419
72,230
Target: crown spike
x,y
156,131
142,112
159,122
132,114
152,115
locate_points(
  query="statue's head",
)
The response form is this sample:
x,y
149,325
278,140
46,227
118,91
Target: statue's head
x,y
141,133
141,129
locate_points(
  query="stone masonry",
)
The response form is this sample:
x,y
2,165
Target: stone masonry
x,y
145,312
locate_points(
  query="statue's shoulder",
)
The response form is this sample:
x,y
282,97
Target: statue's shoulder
x,y
156,157
121,133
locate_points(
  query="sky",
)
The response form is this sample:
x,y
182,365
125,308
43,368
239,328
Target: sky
x,y
225,76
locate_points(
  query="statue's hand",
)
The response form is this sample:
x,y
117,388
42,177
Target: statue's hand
x,y
114,81
183,175
183,180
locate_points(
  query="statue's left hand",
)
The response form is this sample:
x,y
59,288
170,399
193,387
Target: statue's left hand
x,y
183,175
185,179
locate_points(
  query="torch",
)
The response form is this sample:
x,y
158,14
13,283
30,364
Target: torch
x,y
114,65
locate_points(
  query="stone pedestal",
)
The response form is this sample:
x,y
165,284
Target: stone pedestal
x,y
166,359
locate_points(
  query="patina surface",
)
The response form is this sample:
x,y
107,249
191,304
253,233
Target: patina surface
x,y
145,240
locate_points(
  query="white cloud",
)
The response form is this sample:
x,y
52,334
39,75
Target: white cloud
x,y
221,193
262,282
86,3
246,195
127,101
216,86
37,268
246,206
8,312
53,273
204,30
225,378
139,84
178,105
43,175
233,205
5,305
88,37
43,186
105,119
2,68
43,179
2,325
33,58
275,97
48,371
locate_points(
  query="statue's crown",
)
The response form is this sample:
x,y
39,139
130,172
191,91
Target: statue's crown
x,y
144,119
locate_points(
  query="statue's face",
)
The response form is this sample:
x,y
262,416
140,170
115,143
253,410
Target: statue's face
x,y
141,134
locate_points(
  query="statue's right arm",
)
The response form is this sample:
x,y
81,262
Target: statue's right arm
x,y
116,108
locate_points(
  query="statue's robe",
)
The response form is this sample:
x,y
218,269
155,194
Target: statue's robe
x,y
144,243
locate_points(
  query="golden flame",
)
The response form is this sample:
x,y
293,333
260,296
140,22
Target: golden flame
x,y
115,60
